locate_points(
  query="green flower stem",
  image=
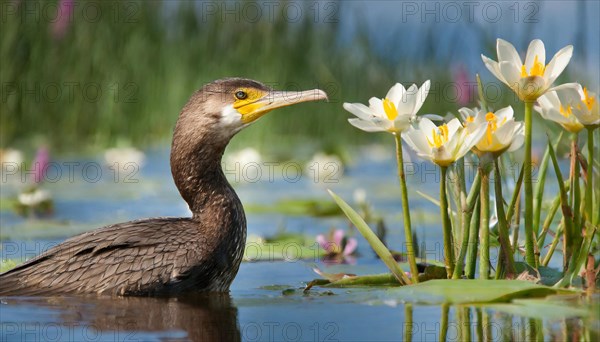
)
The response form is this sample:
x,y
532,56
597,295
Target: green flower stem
x,y
444,322
573,240
408,322
448,244
515,236
529,240
484,229
479,329
410,251
506,252
589,202
465,249
471,262
467,226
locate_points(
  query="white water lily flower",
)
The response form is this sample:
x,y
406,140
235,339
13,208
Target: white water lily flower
x,y
502,132
34,198
571,106
557,106
442,144
394,113
123,157
532,79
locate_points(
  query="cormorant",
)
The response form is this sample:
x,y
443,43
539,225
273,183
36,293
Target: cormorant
x,y
169,256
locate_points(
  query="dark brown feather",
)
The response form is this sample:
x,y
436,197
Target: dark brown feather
x,y
161,256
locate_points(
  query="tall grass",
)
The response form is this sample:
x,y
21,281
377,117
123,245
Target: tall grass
x,y
124,76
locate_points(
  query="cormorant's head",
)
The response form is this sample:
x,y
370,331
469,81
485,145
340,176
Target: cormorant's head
x,y
228,105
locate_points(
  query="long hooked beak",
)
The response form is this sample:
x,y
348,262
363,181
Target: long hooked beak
x,y
277,99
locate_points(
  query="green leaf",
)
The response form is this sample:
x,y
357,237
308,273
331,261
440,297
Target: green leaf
x,y
384,279
546,308
470,291
378,246
297,207
8,264
283,246
429,198
540,185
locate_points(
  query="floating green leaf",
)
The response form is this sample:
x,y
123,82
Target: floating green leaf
x,y
471,291
283,246
542,309
298,207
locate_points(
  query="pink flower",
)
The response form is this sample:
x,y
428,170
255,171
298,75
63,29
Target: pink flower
x,y
64,16
464,86
337,244
40,164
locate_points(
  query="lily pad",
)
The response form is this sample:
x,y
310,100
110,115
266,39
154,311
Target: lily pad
x,y
283,246
471,291
297,207
541,309
547,275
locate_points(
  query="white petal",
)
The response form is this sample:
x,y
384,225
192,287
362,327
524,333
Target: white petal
x,y
518,138
553,114
453,126
421,96
493,67
507,52
427,127
466,112
360,110
402,122
558,64
536,48
376,106
480,117
549,100
504,133
588,118
407,106
511,74
505,113
570,95
417,141
473,138
575,86
454,141
432,117
396,94
366,126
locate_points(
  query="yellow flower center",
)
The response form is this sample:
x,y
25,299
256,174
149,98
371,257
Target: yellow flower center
x,y
440,136
468,120
390,109
492,126
588,100
536,70
566,112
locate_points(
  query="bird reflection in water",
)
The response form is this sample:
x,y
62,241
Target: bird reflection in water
x,y
198,317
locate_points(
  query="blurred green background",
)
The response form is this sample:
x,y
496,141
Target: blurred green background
x,y
86,75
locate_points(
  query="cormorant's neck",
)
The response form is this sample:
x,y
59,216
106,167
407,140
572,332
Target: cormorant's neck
x,y
196,168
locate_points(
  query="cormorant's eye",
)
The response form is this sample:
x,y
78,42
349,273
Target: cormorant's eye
x,y
241,95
